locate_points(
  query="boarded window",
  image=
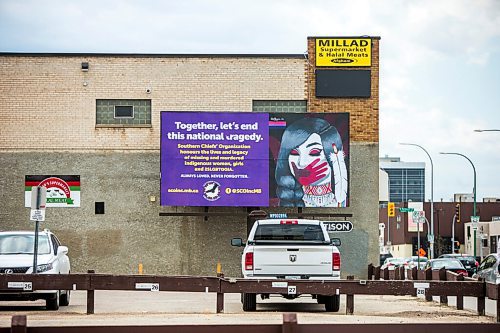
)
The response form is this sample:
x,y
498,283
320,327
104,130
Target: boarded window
x,y
343,83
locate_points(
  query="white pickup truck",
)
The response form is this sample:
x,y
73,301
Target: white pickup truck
x,y
290,249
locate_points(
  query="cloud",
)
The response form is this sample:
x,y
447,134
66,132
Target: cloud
x,y
439,59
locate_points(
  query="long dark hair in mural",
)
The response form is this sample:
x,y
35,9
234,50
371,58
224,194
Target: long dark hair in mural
x,y
311,166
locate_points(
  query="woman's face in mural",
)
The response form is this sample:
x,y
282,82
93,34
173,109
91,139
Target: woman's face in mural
x,y
308,162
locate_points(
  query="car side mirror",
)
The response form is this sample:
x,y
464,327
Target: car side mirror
x,y
336,241
237,242
62,250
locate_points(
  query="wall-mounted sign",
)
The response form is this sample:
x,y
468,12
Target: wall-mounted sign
x,y
338,226
254,159
343,52
62,191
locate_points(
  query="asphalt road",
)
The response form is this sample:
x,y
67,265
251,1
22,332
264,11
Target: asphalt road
x,y
163,308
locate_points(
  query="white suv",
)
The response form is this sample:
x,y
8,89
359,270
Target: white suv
x,y
16,256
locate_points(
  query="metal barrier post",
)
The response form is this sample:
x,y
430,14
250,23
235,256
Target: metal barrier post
x,y
220,295
498,303
370,272
18,324
442,277
460,298
377,273
428,277
350,300
90,293
290,323
481,300
385,274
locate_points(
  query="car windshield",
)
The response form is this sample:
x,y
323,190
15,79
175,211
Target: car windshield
x,y
23,244
394,261
448,264
421,259
292,232
466,259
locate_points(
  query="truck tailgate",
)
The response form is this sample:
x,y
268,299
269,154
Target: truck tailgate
x,y
292,261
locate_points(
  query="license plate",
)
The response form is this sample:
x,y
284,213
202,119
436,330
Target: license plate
x,y
468,267
292,277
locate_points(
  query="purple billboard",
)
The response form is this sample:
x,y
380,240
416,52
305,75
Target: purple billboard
x,y
254,159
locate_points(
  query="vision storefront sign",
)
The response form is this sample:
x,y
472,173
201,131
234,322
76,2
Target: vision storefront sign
x,y
343,52
254,159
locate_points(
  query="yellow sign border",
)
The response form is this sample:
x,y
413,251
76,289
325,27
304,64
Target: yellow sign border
x,y
343,52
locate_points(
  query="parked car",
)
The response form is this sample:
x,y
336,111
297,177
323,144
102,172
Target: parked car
x,y
467,260
414,261
393,263
489,269
16,256
384,256
449,264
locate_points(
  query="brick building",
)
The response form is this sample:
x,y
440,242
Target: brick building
x,y
54,111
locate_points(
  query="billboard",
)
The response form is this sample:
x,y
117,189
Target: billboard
x,y
254,159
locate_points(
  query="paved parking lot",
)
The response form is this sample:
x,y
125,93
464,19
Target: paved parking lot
x,y
162,308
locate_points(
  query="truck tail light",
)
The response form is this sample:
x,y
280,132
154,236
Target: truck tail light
x,y
289,222
336,261
249,261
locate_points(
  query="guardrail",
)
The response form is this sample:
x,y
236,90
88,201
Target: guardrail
x,y
289,325
441,284
463,286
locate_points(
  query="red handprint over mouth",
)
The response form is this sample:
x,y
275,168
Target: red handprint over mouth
x,y
311,173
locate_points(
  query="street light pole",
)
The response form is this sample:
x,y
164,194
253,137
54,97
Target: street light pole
x,y
474,191
487,130
432,196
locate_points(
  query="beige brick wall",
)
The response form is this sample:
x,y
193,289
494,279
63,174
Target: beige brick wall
x,y
364,112
46,95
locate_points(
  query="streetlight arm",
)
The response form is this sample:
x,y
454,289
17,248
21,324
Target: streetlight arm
x,y
432,193
473,168
414,144
474,189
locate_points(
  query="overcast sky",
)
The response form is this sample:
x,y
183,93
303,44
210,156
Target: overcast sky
x,y
440,71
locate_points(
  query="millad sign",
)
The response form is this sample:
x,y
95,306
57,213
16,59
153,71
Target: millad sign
x,y
343,52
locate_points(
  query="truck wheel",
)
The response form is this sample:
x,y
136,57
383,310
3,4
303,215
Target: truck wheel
x,y
332,303
249,302
53,302
64,298
320,299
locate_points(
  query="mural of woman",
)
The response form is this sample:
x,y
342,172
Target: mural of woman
x,y
311,170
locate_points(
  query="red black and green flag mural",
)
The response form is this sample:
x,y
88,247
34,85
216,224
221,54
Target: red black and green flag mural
x,y
62,191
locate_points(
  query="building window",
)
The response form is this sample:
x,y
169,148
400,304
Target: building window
x,y
123,113
279,106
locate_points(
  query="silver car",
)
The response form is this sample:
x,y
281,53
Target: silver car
x,y
16,256
489,269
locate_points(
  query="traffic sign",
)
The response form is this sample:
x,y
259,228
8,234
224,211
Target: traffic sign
x,y
474,219
38,197
37,215
406,210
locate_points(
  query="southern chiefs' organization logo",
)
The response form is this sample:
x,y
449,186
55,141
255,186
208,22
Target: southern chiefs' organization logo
x,y
211,190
